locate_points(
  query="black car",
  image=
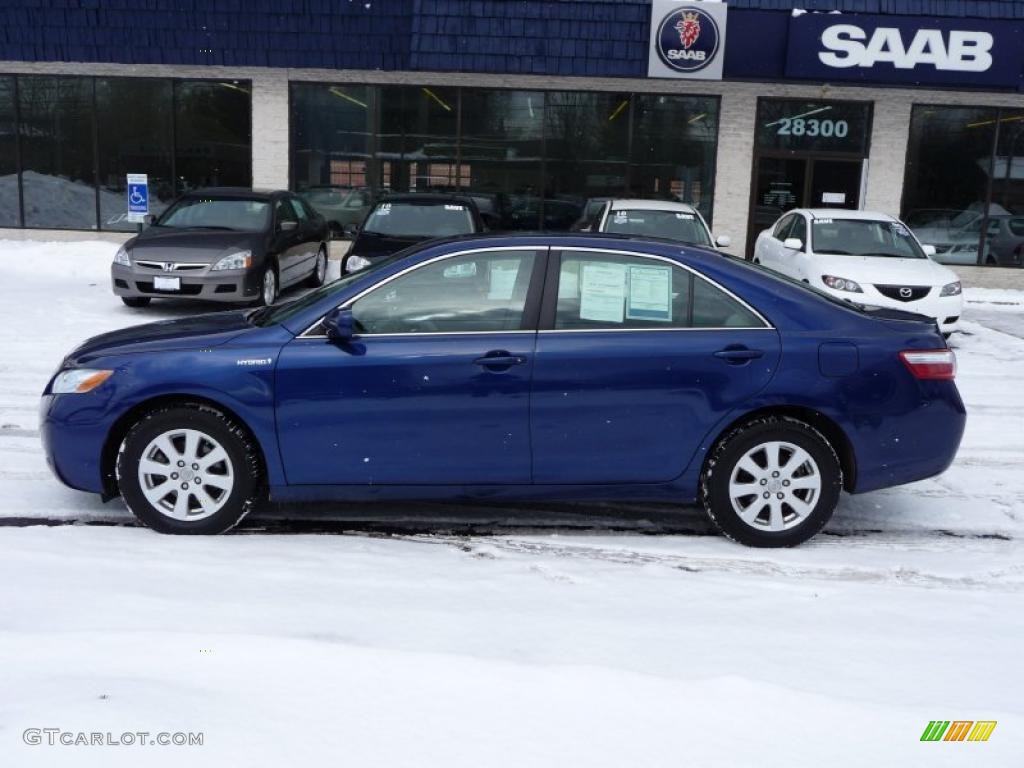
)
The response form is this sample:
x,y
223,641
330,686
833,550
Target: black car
x,y
224,244
398,221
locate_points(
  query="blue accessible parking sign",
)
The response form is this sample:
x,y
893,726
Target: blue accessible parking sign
x,y
138,196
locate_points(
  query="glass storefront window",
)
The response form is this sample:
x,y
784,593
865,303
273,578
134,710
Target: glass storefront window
x,y
213,140
947,179
673,154
133,130
10,207
330,135
813,126
56,130
418,145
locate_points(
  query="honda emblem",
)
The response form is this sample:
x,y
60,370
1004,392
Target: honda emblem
x,y
168,266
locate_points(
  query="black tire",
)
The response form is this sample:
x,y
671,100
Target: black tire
x,y
262,299
718,472
246,467
136,302
317,278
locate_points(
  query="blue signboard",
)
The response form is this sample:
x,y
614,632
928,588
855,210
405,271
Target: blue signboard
x,y
905,50
138,194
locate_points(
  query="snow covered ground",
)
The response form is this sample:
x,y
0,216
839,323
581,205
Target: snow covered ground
x,y
585,643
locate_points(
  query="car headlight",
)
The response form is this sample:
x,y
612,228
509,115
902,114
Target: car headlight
x,y
355,263
952,289
79,380
237,260
840,284
121,257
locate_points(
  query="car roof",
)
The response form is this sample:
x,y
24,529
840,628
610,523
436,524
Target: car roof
x,y
844,213
253,194
437,198
652,205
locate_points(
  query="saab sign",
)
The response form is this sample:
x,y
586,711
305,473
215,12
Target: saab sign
x,y
687,39
904,49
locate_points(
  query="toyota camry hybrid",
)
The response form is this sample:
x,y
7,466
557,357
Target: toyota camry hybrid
x,y
515,367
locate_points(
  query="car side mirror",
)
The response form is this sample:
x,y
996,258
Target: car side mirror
x,y
723,241
287,226
929,250
793,243
148,220
350,230
339,325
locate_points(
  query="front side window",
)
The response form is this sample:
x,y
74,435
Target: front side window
x,y
479,292
408,219
599,291
284,211
799,230
682,226
206,213
864,237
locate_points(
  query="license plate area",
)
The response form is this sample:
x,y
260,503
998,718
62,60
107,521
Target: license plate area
x,y
166,283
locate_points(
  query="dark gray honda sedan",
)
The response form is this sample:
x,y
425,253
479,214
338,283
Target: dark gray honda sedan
x,y
224,244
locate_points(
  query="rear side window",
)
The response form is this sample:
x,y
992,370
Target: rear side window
x,y
614,292
284,211
1017,226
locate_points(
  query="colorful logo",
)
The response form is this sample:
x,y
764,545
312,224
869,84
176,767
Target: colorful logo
x,y
688,39
958,730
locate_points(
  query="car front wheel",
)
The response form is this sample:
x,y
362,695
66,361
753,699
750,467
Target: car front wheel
x,y
320,269
773,482
268,286
189,469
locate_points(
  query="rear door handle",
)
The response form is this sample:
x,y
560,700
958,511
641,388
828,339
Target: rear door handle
x,y
499,359
738,355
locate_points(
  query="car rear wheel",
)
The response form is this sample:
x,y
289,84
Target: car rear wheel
x,y
189,469
320,270
268,286
136,302
773,482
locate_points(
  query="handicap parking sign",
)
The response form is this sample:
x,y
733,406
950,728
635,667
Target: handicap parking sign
x,y
138,193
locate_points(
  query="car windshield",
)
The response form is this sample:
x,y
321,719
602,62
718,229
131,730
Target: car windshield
x,y
674,225
217,213
409,219
863,237
266,316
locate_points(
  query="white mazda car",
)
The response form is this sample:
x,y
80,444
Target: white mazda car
x,y
864,257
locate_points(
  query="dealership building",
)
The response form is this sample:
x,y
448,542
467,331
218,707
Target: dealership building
x,y
744,109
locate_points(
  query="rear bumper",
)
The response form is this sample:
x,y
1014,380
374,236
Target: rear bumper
x,y
233,286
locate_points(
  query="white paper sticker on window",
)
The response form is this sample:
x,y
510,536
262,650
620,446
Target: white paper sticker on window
x,y
621,217
602,292
466,269
650,293
454,208
685,216
503,279
822,221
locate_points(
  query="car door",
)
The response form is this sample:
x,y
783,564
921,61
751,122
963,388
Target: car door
x,y
793,261
309,242
637,358
288,241
771,253
433,390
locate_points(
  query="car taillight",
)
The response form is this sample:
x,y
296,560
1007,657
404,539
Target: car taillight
x,y
930,363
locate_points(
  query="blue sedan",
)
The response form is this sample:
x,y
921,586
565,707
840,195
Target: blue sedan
x,y
515,367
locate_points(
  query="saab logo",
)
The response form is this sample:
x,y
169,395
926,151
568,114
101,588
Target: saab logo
x,y
688,39
961,52
958,730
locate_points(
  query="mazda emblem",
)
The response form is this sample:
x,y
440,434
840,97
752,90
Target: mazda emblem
x,y
906,293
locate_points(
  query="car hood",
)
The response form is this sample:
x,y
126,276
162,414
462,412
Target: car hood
x,y
885,270
200,331
199,246
373,246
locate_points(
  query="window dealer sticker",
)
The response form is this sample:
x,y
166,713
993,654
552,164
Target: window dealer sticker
x,y
823,221
685,216
454,208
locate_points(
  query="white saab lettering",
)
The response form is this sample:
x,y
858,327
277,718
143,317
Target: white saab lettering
x,y
964,51
681,53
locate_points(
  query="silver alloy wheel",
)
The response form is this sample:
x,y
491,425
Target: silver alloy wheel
x,y
775,486
269,287
321,266
186,475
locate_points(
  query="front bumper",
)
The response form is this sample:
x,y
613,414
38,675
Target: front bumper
x,y
945,310
229,285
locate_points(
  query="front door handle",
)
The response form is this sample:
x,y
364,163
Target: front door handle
x,y
499,359
738,355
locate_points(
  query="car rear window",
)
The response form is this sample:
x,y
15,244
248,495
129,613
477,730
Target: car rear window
x,y
1017,226
408,219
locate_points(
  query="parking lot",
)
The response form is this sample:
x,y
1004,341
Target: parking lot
x,y
383,628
